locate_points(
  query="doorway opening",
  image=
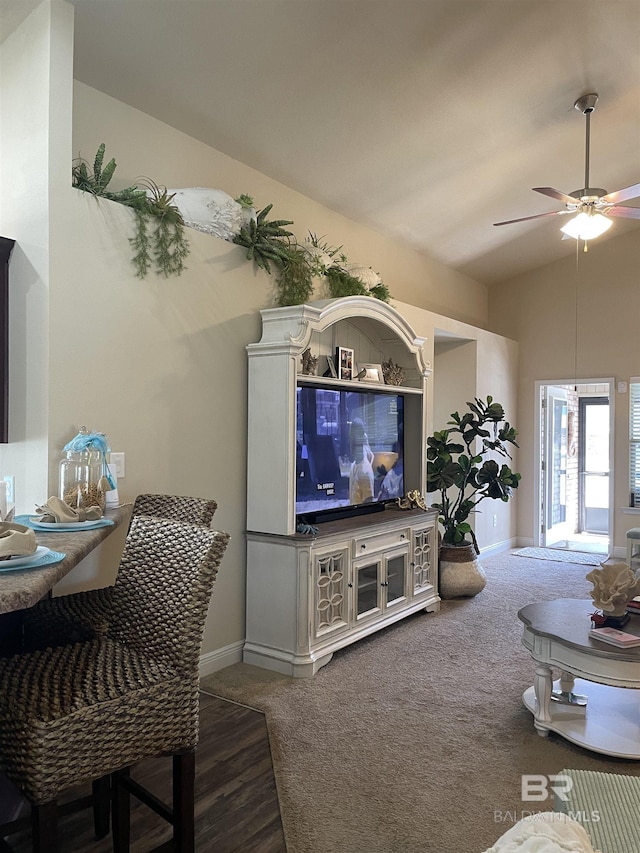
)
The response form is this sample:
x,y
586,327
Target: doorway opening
x,y
575,447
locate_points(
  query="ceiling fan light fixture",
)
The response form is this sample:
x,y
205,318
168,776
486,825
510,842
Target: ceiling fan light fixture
x,y
587,226
589,223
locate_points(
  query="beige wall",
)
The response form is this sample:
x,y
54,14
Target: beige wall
x,y
144,146
31,65
539,310
160,367
482,364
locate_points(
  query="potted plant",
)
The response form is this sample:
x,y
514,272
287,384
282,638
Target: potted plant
x,y
462,468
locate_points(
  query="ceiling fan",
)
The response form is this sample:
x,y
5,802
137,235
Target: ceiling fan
x,y
592,205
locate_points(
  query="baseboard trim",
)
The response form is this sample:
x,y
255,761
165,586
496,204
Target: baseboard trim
x,y
498,548
211,662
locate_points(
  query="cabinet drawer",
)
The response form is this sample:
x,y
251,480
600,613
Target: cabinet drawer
x,y
380,542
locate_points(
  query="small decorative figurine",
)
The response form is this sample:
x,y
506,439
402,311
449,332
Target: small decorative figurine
x,y
412,500
393,374
309,363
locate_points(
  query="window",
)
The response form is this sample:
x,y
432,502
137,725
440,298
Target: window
x,y
634,440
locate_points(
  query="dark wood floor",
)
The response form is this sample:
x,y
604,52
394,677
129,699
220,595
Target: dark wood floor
x,y
236,803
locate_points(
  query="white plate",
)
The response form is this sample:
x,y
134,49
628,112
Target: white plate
x,y
18,562
69,525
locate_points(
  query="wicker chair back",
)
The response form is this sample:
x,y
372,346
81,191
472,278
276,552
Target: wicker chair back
x,y
175,507
164,587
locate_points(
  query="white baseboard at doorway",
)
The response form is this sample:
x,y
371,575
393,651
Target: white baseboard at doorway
x,y
499,547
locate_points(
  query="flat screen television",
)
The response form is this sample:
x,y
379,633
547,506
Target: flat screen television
x,y
350,451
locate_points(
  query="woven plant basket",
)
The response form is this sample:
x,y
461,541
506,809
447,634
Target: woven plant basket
x,y
461,575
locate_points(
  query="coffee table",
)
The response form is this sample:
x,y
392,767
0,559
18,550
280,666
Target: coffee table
x,y
591,703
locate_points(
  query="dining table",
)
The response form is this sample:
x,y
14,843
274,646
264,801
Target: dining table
x,y
24,587
21,588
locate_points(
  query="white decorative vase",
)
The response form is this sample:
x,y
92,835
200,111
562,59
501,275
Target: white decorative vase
x,y
461,575
212,211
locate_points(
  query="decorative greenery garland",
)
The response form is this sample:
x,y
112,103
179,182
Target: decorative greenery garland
x,y
159,236
268,242
159,233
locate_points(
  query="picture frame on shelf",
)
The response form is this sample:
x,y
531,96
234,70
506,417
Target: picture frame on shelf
x,y
331,368
372,373
344,362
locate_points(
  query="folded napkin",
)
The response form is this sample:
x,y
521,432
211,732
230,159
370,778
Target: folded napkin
x,y
56,511
16,540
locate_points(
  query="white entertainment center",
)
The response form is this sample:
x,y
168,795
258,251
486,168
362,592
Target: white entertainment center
x,y
310,595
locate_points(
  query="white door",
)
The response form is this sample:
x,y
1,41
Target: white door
x,y
555,527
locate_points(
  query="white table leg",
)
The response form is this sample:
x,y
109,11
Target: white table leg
x,y
565,695
543,684
567,680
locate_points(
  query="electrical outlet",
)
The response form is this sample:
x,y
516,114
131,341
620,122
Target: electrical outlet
x,y
10,480
117,459
495,520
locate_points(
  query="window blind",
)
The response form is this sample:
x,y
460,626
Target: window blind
x,y
634,440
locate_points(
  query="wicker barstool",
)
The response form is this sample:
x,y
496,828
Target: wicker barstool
x,y
83,615
79,712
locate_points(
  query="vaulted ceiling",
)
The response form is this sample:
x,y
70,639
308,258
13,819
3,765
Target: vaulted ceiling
x,y
428,120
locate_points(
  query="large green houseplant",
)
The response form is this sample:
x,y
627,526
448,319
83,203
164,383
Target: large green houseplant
x,y
461,467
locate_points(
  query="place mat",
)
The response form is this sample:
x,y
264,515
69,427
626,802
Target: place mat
x,y
62,527
42,557
562,556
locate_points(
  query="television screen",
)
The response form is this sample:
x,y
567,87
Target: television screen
x,y
349,449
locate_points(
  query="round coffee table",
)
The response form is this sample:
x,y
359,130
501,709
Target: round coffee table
x,y
590,704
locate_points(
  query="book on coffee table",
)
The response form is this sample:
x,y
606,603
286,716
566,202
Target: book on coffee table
x,y
615,637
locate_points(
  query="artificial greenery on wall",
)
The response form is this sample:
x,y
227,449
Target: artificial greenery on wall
x,y
342,283
159,236
298,264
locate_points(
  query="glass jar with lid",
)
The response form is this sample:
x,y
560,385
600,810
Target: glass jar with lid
x,y
81,475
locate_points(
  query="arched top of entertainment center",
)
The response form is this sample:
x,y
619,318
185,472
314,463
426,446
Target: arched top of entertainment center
x,y
277,324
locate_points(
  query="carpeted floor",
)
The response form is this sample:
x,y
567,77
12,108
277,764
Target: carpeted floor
x,y
415,739
559,556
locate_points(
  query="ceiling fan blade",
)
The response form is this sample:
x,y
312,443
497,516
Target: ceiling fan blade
x,y
537,216
567,199
627,212
622,195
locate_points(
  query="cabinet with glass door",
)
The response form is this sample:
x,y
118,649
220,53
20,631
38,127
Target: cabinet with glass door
x,y
380,585
424,560
330,591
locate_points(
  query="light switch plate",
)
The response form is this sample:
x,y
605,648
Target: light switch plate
x,y
117,459
10,480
